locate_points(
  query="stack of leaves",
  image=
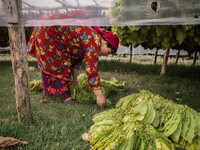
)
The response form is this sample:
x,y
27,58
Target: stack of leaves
x,y
146,121
82,92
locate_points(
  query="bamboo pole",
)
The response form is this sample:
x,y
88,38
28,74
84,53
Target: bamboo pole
x,y
131,52
156,55
195,58
177,56
164,64
18,56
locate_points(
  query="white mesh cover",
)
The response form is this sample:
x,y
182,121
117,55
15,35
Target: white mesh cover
x,y
107,12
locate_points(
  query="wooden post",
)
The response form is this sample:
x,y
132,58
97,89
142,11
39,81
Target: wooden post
x,y
18,56
164,64
156,55
177,56
195,58
131,52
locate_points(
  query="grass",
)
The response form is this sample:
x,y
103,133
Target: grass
x,y
56,126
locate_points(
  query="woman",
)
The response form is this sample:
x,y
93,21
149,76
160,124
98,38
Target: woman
x,y
60,50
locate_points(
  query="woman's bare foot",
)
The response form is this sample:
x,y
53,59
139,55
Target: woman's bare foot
x,y
69,101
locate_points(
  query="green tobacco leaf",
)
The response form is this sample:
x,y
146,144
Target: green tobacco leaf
x,y
173,123
141,107
169,121
120,103
153,144
165,44
166,38
134,28
197,121
165,114
191,32
186,124
180,35
197,39
187,27
150,115
191,132
142,145
159,30
156,120
127,103
156,40
128,40
176,135
197,118
111,114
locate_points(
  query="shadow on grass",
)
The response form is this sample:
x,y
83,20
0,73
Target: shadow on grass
x,y
179,71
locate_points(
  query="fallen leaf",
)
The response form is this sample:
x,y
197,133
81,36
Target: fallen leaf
x,y
9,141
1,120
57,144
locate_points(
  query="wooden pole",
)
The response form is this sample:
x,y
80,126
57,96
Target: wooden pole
x,y
164,64
195,58
177,56
131,52
18,56
156,55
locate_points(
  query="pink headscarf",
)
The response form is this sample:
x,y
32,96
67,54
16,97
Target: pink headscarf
x,y
108,36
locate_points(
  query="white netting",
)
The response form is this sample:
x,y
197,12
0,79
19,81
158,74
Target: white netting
x,y
107,12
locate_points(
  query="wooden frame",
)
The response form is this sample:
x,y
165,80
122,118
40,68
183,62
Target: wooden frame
x,y
18,56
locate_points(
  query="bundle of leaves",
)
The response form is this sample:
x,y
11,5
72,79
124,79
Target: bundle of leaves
x,y
144,121
35,85
83,94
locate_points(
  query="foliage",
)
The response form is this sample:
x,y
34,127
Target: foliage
x,y
186,37
146,121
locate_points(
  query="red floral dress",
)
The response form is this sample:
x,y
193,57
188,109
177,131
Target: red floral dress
x,y
58,49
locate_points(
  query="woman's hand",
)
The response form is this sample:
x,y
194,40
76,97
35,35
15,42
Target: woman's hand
x,y
101,100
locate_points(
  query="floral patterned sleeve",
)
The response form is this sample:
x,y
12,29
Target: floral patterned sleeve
x,y
91,42
31,44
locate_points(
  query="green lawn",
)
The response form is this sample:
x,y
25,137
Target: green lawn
x,y
57,126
